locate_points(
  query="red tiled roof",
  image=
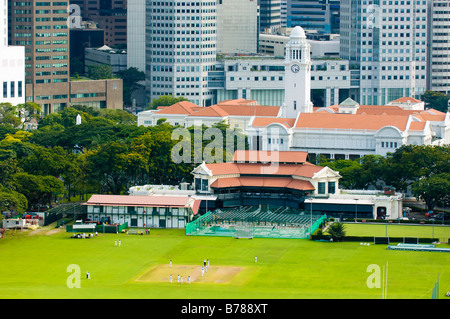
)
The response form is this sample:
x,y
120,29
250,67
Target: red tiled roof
x,y
239,107
270,156
407,99
417,126
246,181
250,110
136,200
211,111
350,121
223,168
303,170
238,101
264,121
183,107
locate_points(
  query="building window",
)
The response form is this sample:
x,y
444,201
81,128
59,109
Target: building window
x,y
19,89
12,93
331,187
321,188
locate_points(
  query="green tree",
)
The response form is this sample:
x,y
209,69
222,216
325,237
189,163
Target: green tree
x,y
12,201
104,166
130,78
119,116
436,100
337,231
409,163
45,161
9,115
433,189
37,189
30,110
166,100
100,72
348,169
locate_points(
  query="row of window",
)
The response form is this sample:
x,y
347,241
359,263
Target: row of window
x,y
39,4
47,57
72,96
321,188
46,73
48,65
41,81
12,89
389,144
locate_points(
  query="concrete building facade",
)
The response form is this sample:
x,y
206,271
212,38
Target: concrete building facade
x,y
387,42
180,44
42,28
12,64
237,26
438,75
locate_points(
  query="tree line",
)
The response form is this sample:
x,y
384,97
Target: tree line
x,y
106,154
423,170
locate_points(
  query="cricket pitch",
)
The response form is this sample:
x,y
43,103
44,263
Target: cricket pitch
x,y
215,274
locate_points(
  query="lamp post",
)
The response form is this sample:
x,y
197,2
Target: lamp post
x,y
356,208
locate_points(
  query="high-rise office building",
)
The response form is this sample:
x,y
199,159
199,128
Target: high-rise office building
x,y
180,49
438,68
387,42
317,15
237,26
136,18
41,27
269,14
283,13
110,16
12,64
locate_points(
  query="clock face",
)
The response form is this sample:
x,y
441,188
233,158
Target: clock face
x,y
295,68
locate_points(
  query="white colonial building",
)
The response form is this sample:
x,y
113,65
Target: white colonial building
x,y
346,130
342,131
12,64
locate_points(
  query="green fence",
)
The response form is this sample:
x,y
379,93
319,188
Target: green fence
x,y
98,228
257,222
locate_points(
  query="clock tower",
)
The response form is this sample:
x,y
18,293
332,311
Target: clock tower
x,y
297,78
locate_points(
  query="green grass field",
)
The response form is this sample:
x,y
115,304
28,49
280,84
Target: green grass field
x,y
36,267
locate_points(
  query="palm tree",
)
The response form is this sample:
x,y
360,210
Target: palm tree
x,y
337,231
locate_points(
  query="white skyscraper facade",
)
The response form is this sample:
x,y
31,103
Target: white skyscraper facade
x,y
136,34
237,26
180,49
438,76
387,41
12,64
